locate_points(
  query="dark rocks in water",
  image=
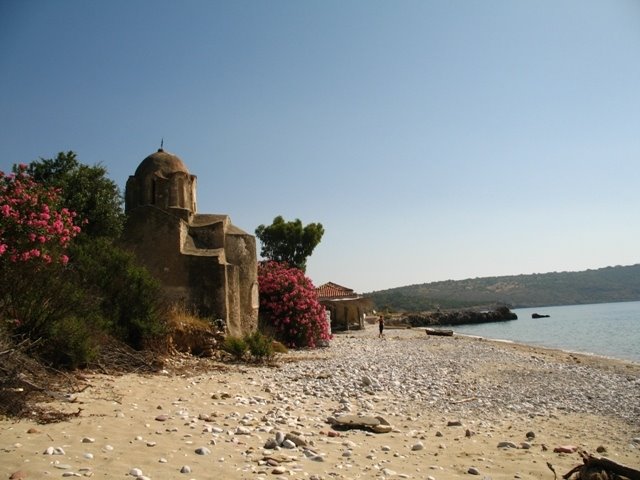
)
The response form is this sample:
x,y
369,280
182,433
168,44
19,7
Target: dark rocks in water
x,y
460,317
539,315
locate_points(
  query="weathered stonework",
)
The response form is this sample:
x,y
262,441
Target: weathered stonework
x,y
202,260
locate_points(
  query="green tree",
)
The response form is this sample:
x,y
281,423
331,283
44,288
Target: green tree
x,y
84,189
289,242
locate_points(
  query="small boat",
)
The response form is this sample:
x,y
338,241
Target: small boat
x,y
439,332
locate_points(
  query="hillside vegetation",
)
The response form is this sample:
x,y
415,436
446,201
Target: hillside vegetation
x,y
610,284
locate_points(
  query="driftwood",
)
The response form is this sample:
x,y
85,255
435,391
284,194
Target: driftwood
x,y
439,332
601,468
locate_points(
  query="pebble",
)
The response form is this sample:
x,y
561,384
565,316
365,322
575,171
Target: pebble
x,y
54,451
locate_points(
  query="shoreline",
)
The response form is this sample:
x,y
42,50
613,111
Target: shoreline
x,y
596,356
532,345
451,402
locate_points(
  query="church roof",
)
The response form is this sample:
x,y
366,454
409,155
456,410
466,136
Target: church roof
x,y
162,163
333,290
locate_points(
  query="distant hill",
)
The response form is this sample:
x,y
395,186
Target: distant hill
x,y
610,284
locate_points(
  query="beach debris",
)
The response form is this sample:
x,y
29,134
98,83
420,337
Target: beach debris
x,y
362,422
565,449
601,468
507,444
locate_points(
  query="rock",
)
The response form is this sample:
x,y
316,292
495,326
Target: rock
x,y
185,469
288,444
135,472
88,440
18,475
270,444
297,440
280,437
417,446
473,471
601,449
530,436
203,451
162,418
454,423
507,445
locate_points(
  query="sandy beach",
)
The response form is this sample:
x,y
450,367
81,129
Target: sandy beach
x,y
458,407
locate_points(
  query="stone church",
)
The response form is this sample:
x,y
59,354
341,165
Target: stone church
x,y
202,261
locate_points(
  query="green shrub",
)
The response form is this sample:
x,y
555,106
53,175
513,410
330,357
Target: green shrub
x,y
260,346
127,294
235,346
71,343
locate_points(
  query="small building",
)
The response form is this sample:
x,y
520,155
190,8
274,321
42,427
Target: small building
x,y
347,309
202,261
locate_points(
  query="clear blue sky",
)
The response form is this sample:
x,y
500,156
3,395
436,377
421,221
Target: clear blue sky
x,y
434,140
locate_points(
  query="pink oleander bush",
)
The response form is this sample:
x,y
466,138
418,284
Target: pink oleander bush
x,y
289,306
63,293
36,297
34,227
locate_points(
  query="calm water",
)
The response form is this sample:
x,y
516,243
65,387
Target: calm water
x,y
607,329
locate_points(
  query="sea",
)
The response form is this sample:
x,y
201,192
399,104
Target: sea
x,y
603,329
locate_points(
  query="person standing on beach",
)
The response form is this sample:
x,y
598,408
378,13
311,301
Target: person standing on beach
x,y
381,326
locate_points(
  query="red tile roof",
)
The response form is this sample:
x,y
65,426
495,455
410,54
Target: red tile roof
x,y
333,290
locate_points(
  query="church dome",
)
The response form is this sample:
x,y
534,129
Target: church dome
x,y
161,163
